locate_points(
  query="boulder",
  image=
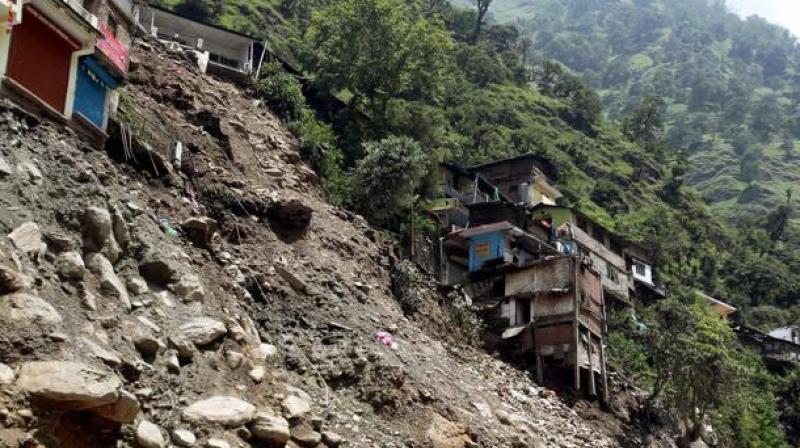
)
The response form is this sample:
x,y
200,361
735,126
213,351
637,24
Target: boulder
x,y
217,443
10,280
5,168
145,342
76,385
443,433
148,435
189,288
331,439
292,214
30,172
294,406
203,330
27,309
200,230
183,437
119,228
182,345
158,269
108,356
27,238
220,410
123,411
70,266
270,428
109,282
97,227
6,374
137,286
306,436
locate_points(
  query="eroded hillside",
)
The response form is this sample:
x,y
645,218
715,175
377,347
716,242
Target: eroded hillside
x,y
122,303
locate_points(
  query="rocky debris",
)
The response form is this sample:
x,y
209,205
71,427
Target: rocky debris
x,y
27,238
189,288
10,280
183,345
270,428
96,228
296,282
183,437
148,435
304,435
110,357
5,168
332,439
217,443
158,269
291,214
203,330
200,230
145,342
109,282
137,286
27,309
70,266
73,384
267,352
124,411
30,172
443,433
294,407
6,374
220,410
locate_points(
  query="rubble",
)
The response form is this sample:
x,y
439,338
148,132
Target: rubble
x,y
202,330
73,384
220,410
149,435
270,428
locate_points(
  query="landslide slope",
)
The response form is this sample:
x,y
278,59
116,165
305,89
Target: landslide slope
x,y
110,276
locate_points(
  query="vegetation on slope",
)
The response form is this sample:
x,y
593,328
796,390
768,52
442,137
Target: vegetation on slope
x,y
422,87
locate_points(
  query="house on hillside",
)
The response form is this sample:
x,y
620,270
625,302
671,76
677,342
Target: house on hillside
x,y
778,347
40,51
222,52
102,72
522,179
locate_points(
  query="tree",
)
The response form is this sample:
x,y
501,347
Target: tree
x,y
386,178
483,8
750,166
377,50
646,124
691,351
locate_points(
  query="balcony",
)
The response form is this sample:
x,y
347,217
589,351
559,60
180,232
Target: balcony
x,y
14,7
116,53
77,7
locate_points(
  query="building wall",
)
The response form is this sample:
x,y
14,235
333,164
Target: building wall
x,y
36,40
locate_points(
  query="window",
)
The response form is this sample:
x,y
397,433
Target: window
x,y
640,269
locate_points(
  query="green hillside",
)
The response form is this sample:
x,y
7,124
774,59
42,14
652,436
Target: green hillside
x,y
731,84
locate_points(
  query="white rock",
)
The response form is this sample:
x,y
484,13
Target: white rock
x,y
203,330
28,309
27,238
96,228
257,374
183,437
31,172
189,288
217,443
270,428
222,410
294,406
137,286
6,374
108,356
5,168
79,385
109,282
123,411
148,435
69,265
267,352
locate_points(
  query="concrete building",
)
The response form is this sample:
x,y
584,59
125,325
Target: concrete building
x,y
220,51
40,52
100,73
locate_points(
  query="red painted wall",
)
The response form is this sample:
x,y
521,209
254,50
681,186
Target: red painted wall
x,y
40,57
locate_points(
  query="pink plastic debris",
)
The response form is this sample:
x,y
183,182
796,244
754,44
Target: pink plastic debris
x,y
386,339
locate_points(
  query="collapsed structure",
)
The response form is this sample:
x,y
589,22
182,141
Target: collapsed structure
x,y
542,275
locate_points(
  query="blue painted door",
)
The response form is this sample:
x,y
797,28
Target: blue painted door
x,y
90,95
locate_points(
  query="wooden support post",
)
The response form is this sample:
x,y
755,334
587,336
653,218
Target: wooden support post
x,y
603,371
536,350
576,324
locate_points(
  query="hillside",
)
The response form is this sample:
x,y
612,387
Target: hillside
x,y
731,84
120,299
